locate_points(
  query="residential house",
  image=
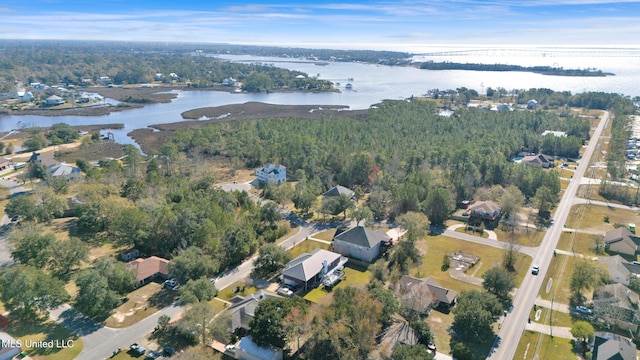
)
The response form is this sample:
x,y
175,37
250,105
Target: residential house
x,y
9,347
617,304
24,96
243,309
532,104
554,133
5,163
608,346
248,350
360,243
272,174
620,269
339,190
128,255
621,241
229,81
539,160
72,207
487,212
65,170
421,289
105,79
45,159
307,270
54,100
149,269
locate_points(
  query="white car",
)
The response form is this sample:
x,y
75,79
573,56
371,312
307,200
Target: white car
x,y
284,291
535,269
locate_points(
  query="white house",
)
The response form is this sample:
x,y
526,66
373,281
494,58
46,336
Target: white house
x,y
360,243
24,96
272,174
54,100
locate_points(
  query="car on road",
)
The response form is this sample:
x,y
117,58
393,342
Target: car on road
x,y
535,269
584,310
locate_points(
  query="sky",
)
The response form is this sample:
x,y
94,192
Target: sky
x,y
403,25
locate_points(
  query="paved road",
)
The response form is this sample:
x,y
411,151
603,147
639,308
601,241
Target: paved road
x,y
5,249
514,324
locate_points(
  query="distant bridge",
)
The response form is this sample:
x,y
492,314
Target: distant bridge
x,y
578,52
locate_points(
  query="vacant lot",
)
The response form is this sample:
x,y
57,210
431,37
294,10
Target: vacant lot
x,y
580,243
435,247
560,270
27,331
539,346
140,303
308,246
591,217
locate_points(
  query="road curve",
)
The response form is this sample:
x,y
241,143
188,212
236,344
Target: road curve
x,y
513,326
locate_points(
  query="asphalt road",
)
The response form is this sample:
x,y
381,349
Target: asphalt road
x,y
513,325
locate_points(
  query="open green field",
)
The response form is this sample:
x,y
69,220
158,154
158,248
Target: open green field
x,y
593,217
580,243
559,318
141,303
591,192
435,247
326,235
308,246
26,331
560,270
524,236
539,346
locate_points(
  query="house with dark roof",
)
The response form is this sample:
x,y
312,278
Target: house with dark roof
x,y
272,174
440,296
608,346
487,212
339,190
244,308
617,304
621,241
620,269
148,269
360,243
307,270
539,160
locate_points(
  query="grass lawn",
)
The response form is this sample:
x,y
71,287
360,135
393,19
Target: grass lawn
x,y
440,323
228,292
292,231
583,190
27,331
559,318
564,184
435,247
326,235
593,217
539,346
582,243
526,237
352,277
560,270
307,246
141,303
218,305
484,234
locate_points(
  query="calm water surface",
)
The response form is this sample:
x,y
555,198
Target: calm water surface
x,y
371,84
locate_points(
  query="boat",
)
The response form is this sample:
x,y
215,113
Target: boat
x,y
348,86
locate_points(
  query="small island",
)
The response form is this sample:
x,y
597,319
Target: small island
x,y
544,70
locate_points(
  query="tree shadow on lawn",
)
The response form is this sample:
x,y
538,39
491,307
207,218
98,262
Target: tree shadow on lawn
x,y
78,323
163,298
33,330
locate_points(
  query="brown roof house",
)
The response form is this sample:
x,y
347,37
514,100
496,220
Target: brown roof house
x,y
360,243
487,212
617,304
307,270
540,160
149,269
621,241
608,346
422,294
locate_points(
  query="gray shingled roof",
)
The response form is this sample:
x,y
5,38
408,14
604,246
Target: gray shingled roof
x,y
339,190
363,236
608,346
243,310
306,266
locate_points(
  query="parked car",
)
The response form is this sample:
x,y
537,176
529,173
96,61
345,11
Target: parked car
x,y
535,269
138,350
171,284
151,355
284,291
584,310
431,348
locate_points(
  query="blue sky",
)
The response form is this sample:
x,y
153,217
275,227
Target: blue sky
x,y
408,25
